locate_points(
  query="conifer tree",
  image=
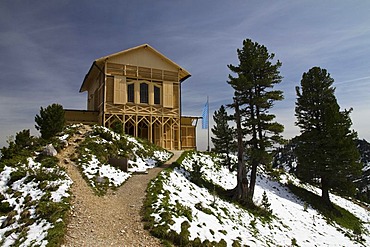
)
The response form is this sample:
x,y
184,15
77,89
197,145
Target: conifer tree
x,y
223,139
326,148
254,96
265,203
50,121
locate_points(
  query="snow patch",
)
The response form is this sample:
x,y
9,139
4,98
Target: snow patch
x,y
215,219
27,189
94,168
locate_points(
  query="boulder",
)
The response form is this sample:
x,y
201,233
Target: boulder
x,y
49,150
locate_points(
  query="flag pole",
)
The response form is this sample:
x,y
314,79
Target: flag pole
x,y
208,123
205,120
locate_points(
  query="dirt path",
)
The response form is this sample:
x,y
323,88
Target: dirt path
x,y
110,220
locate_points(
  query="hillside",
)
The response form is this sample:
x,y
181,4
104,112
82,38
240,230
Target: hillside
x,y
78,199
182,211
37,206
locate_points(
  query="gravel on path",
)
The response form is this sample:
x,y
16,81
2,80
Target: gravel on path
x,y
110,220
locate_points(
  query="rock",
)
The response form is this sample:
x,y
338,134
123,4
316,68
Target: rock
x,y
49,150
63,144
100,179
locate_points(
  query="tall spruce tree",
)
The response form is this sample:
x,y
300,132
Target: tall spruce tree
x,y
223,139
326,149
254,96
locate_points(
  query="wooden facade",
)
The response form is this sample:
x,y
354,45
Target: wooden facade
x,y
140,89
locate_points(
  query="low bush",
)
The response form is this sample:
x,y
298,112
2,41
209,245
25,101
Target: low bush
x,y
5,208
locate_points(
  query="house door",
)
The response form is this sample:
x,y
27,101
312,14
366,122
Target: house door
x,y
156,134
143,130
130,128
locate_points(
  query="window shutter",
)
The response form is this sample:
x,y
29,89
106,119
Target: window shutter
x,y
109,89
167,94
120,94
176,95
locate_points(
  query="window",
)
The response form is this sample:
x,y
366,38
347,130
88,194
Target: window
x,y
144,93
157,95
130,93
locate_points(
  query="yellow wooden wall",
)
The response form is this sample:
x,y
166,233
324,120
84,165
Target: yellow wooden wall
x,y
159,123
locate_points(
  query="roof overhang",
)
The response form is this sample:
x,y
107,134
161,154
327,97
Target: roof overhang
x,y
93,73
98,65
190,120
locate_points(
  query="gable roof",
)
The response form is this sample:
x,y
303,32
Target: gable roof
x,y
98,64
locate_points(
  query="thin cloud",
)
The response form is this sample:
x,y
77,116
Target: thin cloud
x,y
354,80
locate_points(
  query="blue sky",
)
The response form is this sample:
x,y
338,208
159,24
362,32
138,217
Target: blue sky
x,y
47,48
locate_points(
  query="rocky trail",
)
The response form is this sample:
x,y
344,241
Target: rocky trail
x,y
110,220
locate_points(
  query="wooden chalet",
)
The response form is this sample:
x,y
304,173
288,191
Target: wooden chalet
x,y
141,89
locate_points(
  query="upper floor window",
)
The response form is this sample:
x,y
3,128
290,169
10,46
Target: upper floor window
x,y
130,93
157,95
144,93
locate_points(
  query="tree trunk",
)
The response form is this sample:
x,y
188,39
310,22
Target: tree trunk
x,y
252,182
254,160
241,189
228,161
325,193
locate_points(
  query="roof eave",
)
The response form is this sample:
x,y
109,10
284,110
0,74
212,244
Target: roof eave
x,y
85,81
82,89
184,78
184,74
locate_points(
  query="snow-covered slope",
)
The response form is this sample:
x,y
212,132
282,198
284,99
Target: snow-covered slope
x,y
30,192
35,191
101,143
201,216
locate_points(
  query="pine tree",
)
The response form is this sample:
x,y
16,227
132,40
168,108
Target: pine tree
x,y
326,149
50,121
253,98
223,139
265,203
